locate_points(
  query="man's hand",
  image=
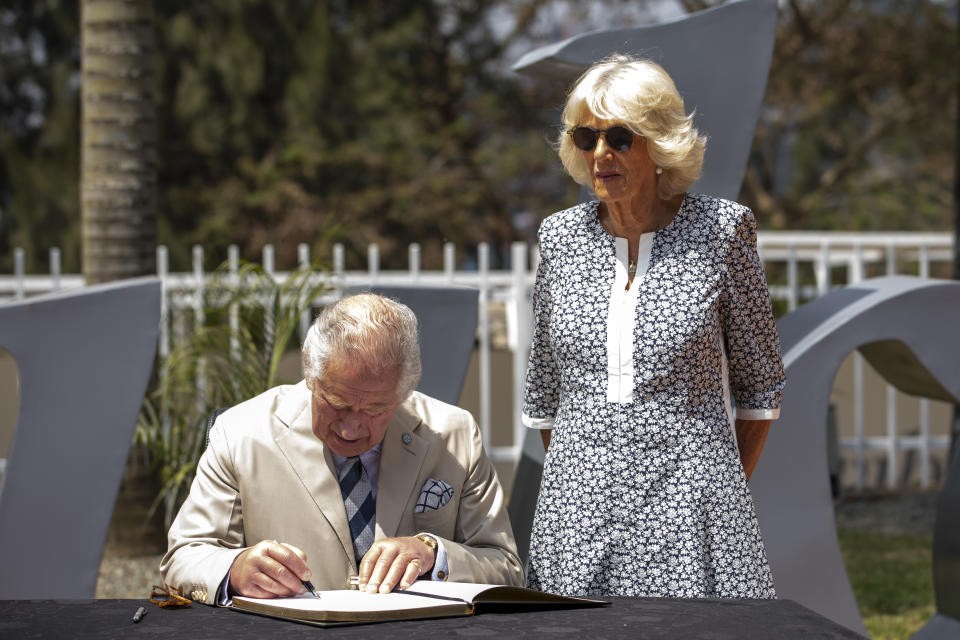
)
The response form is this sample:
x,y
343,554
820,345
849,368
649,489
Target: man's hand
x,y
269,569
394,560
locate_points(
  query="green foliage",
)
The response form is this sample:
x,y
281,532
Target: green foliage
x,y
891,579
399,121
39,132
250,319
859,128
388,119
392,121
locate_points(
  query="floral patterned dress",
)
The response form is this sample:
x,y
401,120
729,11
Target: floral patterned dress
x,y
643,493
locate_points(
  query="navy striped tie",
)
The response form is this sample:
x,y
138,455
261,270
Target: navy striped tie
x,y
360,505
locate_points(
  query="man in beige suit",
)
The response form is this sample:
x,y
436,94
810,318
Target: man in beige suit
x,y
269,506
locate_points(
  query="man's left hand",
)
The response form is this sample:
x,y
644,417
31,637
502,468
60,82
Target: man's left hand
x,y
393,561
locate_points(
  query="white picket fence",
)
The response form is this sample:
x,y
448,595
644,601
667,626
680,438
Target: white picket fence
x,y
800,266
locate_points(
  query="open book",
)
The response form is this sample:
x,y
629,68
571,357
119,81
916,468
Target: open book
x,y
424,599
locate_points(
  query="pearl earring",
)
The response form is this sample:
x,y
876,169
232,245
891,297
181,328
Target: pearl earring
x,y
659,170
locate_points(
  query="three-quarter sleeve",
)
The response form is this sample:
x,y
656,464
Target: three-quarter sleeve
x,y
756,371
542,389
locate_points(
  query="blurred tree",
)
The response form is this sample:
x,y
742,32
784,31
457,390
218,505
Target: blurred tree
x,y
119,168
859,125
392,122
398,121
39,132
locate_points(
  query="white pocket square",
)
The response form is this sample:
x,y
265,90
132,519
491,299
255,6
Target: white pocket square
x,y
435,494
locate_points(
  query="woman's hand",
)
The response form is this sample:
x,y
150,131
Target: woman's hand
x,y
545,436
751,436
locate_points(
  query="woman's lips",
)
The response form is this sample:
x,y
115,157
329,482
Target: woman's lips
x,y
603,176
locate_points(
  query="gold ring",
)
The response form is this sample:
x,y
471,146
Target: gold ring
x,y
416,561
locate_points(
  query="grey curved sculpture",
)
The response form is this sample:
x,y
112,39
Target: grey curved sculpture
x,y
902,326
84,359
945,624
719,59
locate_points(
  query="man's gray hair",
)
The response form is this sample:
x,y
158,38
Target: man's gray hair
x,y
370,332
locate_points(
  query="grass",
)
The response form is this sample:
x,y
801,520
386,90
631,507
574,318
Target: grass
x,y
891,578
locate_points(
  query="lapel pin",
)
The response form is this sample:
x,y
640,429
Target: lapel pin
x,y
407,438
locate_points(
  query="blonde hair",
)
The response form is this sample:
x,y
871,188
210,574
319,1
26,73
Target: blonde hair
x,y
639,94
369,331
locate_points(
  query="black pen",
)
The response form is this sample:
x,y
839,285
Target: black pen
x,y
309,587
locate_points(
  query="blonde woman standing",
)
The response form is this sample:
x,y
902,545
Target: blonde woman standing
x,y
651,310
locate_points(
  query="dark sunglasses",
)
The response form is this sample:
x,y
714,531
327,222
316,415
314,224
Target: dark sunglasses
x,y
619,138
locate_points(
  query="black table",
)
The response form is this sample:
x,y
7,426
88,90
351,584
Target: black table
x,y
625,618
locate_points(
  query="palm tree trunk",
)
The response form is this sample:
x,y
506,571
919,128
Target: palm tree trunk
x,y
118,130
955,428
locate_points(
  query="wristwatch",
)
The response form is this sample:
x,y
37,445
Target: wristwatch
x,y
430,541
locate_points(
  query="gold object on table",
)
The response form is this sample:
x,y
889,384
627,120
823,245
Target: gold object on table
x,y
167,596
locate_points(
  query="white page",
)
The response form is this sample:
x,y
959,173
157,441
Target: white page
x,y
350,600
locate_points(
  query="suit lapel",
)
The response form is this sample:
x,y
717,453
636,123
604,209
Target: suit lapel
x,y
401,458
312,462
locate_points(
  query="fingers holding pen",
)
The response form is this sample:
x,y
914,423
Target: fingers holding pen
x,y
269,569
291,556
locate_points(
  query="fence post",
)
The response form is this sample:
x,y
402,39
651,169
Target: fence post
x,y
892,443
18,268
523,320
413,260
163,269
269,305
793,281
925,480
303,262
822,268
339,273
449,261
483,264
55,268
198,317
856,275
233,264
373,263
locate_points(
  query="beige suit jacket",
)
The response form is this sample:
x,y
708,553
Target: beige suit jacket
x,y
266,476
